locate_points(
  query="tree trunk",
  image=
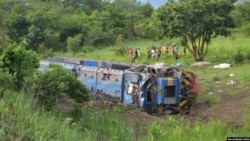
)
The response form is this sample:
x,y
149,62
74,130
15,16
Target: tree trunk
x,y
194,53
197,54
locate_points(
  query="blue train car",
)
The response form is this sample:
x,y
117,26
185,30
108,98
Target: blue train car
x,y
106,79
156,89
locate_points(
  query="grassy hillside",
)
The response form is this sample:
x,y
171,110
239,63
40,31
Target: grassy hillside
x,y
221,50
222,109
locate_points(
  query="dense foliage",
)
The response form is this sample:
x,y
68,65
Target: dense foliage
x,y
19,62
94,22
51,86
77,25
245,17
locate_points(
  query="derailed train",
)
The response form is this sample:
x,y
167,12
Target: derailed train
x,y
156,88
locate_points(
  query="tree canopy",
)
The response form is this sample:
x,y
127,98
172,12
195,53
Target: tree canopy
x,y
50,23
54,25
244,17
196,22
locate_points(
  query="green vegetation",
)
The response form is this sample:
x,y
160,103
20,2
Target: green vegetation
x,y
22,120
19,62
19,121
214,130
218,52
51,86
55,106
196,22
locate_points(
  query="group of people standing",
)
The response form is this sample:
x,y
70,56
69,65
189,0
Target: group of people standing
x,y
154,52
133,56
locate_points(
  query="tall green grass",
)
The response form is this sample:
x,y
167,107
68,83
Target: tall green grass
x,y
178,129
19,121
224,49
107,127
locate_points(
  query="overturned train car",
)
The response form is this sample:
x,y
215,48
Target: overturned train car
x,y
154,88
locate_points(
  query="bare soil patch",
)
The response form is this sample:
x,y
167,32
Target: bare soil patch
x,y
230,109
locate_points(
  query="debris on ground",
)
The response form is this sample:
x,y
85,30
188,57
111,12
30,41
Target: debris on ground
x,y
222,66
231,82
211,93
179,64
201,63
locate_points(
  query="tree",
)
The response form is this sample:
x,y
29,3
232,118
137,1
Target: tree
x,y
244,9
244,17
72,25
146,10
46,17
86,5
126,5
196,22
19,62
16,23
91,5
34,38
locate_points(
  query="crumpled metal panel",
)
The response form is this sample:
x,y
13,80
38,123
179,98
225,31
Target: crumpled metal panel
x,y
133,78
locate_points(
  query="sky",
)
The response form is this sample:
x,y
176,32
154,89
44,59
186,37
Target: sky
x,y
155,3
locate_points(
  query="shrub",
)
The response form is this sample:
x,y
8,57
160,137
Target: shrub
x,y
7,82
248,55
239,57
121,51
52,85
76,90
19,62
